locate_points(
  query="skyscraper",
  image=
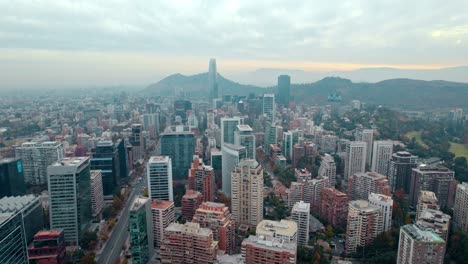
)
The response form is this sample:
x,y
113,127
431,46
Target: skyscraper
x,y
364,224
366,135
385,203
418,245
301,215
247,193
97,195
381,155
228,128
400,170
106,159
243,136
284,87
212,80
36,157
355,158
216,216
270,136
361,185
159,176
328,169
140,230
163,214
11,177
136,140
180,147
70,197
231,156
201,179
269,107
460,208
12,242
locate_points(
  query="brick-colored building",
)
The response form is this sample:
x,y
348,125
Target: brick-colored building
x,y
163,214
201,178
361,184
419,245
48,247
334,207
267,250
190,202
218,218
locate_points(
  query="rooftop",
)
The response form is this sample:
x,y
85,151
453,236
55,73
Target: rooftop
x,y
161,204
301,207
138,203
16,203
363,205
105,143
70,162
5,216
159,159
46,234
270,243
8,160
421,234
95,173
380,197
189,228
244,128
270,228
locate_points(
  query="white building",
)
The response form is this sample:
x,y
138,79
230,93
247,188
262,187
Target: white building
x,y
247,193
328,169
366,135
364,224
355,161
231,155
97,194
381,155
36,157
269,107
243,136
284,229
159,177
460,209
228,127
385,203
301,215
163,214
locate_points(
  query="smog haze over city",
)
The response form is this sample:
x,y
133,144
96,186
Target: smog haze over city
x,y
266,132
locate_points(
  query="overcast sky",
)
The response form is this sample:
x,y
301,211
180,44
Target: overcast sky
x,y
72,43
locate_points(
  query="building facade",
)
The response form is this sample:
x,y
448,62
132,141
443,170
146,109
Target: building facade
x,y
190,203
232,155
400,170
140,230
163,214
48,247
269,107
97,193
328,169
381,155
12,242
418,245
159,177
385,203
361,185
460,208
284,87
11,177
180,147
334,207
355,158
301,215
201,178
243,136
267,250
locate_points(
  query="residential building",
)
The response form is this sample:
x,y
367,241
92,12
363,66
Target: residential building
x,y
140,230
36,157
232,154
355,160
228,128
284,87
302,174
460,208
163,214
283,229
362,184
247,193
12,242
106,159
435,178
364,224
180,147
426,200
381,155
159,177
201,178
69,184
11,177
30,209
385,203
400,169
328,169
417,245
243,136
334,207
366,135
188,243
190,202
269,107
309,191
97,194
48,247
436,221
266,250
301,215
216,216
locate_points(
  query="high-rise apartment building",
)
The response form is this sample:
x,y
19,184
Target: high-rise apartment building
x,y
400,170
309,191
437,179
355,160
190,202
69,182
163,214
180,147
48,247
140,230
159,177
11,177
426,200
366,135
228,128
385,203
270,136
334,207
460,208
269,107
247,193
137,142
381,155
328,169
201,178
243,136
97,194
232,155
290,138
362,184
283,229
364,224
12,242
37,157
301,215
106,159
417,245
284,87
188,243
436,221
216,216
266,250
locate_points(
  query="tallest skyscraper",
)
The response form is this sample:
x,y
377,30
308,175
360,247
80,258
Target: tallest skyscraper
x,y
212,82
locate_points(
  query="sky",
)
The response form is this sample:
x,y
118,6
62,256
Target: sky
x,y
64,43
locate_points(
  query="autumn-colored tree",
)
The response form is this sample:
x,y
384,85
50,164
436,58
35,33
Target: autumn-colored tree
x,y
329,231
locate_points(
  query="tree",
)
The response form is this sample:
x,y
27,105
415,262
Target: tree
x,y
89,258
329,231
88,241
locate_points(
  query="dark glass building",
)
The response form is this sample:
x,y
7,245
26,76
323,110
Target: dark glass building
x,y
284,88
11,177
180,147
106,158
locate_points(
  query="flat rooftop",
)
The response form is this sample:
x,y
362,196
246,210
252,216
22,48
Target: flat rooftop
x,y
161,204
270,228
95,173
8,160
189,228
138,203
70,162
244,128
16,203
421,234
159,159
270,243
301,207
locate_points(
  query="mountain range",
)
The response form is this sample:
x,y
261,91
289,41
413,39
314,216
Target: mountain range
x,y
407,93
